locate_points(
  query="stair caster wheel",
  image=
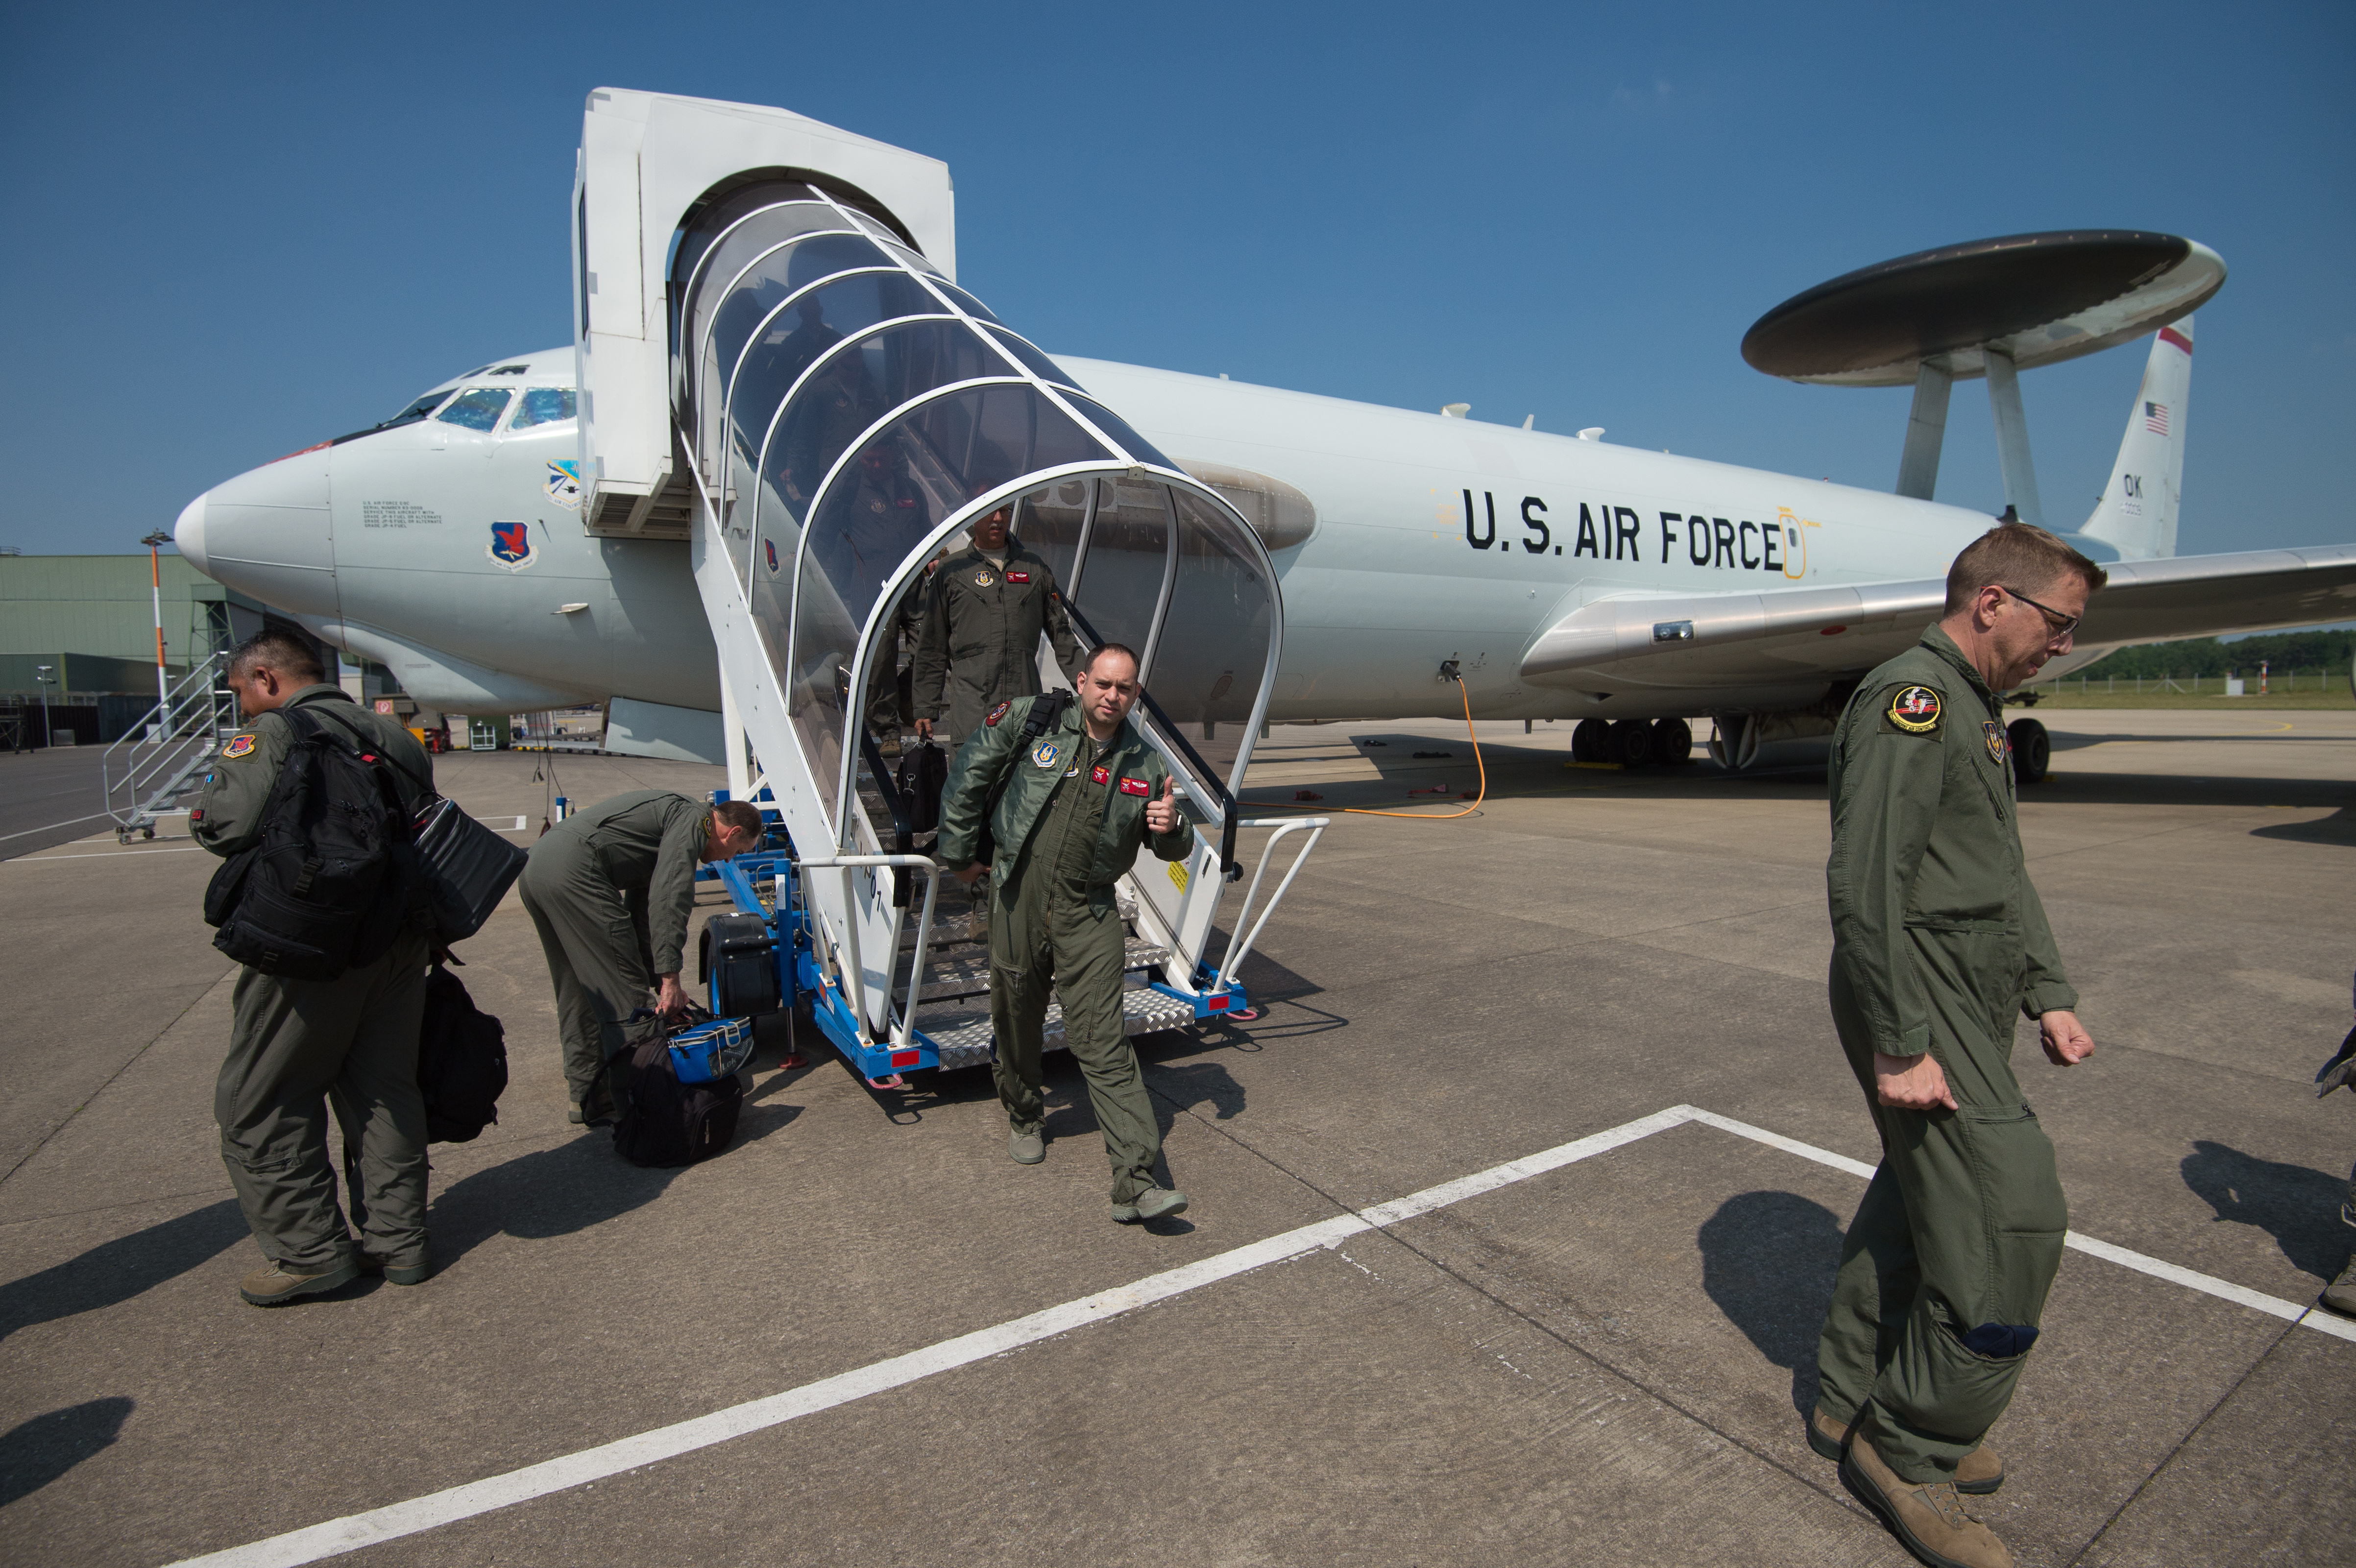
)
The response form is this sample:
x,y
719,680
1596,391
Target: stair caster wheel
x,y
146,833
121,837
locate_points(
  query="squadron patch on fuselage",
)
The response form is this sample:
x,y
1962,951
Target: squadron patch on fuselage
x,y
511,546
1914,709
563,484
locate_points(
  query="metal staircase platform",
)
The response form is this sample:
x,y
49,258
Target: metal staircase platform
x,y
963,1034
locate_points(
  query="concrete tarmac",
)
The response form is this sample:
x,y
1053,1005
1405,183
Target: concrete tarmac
x,y
1605,1363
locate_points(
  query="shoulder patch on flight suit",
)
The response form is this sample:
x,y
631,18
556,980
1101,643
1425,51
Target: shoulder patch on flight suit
x,y
1047,755
239,746
1995,733
997,713
1914,709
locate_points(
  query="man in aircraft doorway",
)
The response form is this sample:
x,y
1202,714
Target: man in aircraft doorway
x,y
983,613
1937,936
1067,808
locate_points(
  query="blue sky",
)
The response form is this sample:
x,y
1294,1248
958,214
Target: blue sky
x,y
234,231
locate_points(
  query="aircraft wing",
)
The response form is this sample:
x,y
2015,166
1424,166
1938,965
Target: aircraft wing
x,y
1797,635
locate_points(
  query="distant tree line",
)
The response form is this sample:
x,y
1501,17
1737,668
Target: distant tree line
x,y
2206,656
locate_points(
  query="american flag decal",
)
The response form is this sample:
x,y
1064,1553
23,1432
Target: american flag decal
x,y
2155,418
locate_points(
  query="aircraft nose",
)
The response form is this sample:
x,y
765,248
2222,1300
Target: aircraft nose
x,y
189,533
267,533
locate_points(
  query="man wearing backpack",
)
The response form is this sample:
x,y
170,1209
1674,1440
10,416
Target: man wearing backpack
x,y
1068,804
298,1045
610,889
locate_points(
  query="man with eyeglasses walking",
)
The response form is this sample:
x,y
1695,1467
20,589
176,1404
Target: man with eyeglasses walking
x,y
1937,936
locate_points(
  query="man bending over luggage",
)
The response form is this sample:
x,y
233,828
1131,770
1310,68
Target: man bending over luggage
x,y
610,889
297,1046
1073,805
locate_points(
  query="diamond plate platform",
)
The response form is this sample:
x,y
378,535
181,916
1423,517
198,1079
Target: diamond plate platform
x,y
963,1035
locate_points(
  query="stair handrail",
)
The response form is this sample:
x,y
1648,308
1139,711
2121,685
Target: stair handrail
x,y
1239,950
187,723
854,973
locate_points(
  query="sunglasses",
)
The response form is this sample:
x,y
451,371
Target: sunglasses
x,y
2059,625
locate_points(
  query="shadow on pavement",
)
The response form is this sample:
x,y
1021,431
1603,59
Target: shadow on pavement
x,y
1768,1260
47,1446
557,1191
2340,827
2297,1206
118,1270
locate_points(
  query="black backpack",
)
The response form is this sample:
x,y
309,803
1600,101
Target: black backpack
x,y
924,771
332,878
663,1122
462,1061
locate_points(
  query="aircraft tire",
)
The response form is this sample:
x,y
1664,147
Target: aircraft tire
x,y
1672,742
2032,750
1631,743
1590,742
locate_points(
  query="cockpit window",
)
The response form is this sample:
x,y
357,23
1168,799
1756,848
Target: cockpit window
x,y
543,405
418,409
477,408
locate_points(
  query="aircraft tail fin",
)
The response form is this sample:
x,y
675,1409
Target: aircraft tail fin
x,y
2138,508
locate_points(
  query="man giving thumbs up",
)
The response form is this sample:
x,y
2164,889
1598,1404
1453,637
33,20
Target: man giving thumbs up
x,y
1069,803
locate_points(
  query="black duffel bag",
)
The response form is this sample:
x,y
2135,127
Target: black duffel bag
x,y
663,1122
467,869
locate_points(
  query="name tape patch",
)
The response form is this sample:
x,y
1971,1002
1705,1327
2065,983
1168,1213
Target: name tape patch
x,y
1135,786
1018,577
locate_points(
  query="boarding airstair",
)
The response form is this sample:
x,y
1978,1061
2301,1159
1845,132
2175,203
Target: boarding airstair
x,y
847,409
162,758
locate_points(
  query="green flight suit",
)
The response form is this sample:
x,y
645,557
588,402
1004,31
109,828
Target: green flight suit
x,y
1068,827
297,1047
980,644
610,889
1937,938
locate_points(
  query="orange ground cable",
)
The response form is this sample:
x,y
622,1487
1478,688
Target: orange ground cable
x,y
1410,816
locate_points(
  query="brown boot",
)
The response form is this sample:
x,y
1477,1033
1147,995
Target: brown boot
x,y
1927,1517
278,1285
1979,1475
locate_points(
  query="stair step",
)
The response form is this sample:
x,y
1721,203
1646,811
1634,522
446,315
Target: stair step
x,y
967,974
962,1033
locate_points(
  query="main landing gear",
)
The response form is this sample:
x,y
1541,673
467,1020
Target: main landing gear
x,y
2032,750
1632,742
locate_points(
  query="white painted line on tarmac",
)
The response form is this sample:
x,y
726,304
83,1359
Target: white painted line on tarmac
x,y
351,1533
69,822
2320,1320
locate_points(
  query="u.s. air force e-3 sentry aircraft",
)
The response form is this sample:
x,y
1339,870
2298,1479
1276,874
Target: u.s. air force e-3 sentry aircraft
x,y
754,350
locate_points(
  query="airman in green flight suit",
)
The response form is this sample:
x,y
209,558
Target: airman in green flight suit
x,y
1080,800
1938,937
984,609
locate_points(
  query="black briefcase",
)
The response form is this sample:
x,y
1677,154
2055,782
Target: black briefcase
x,y
468,870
